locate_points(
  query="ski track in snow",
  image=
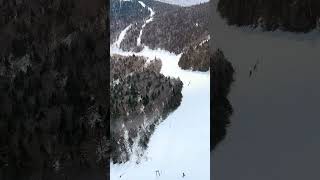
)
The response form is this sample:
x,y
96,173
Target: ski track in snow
x,y
145,23
181,142
121,36
142,4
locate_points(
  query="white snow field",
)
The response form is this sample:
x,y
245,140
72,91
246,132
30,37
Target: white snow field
x,y
181,143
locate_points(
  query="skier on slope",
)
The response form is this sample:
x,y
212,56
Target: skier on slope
x,y
256,65
157,173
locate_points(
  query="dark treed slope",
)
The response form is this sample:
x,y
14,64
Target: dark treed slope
x,y
197,57
140,98
161,7
173,28
178,29
54,90
130,40
288,15
221,80
124,13
131,12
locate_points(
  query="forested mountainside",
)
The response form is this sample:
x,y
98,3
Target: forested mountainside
x,y
140,98
173,28
222,77
54,90
161,7
178,29
288,15
124,13
184,2
136,19
196,57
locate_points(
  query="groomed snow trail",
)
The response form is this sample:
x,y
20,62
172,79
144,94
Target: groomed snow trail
x,y
146,22
181,143
121,36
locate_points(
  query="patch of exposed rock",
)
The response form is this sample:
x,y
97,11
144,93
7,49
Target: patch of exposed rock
x,y
141,97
